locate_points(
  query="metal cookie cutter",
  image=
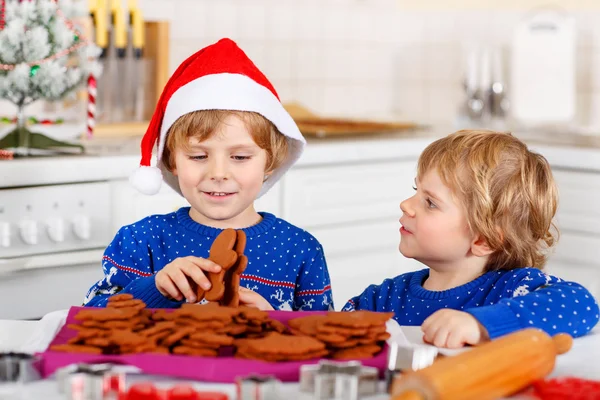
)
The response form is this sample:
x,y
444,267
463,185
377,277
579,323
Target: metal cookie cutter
x,y
339,380
258,387
93,381
18,367
407,358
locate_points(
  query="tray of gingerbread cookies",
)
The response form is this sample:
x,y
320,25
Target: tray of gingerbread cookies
x,y
217,341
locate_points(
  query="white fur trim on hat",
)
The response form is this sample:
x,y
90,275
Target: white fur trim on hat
x,y
147,180
231,92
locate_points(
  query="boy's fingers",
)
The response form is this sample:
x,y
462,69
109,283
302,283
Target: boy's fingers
x,y
180,280
205,264
169,287
194,272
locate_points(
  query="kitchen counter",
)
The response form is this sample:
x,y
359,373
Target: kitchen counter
x,y
116,158
30,336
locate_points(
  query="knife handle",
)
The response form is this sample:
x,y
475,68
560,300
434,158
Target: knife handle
x,y
100,23
119,27
137,27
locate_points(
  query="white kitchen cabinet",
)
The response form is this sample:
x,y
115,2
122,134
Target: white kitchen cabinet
x,y
577,253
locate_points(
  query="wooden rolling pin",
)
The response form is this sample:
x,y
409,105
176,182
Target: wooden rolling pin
x,y
490,371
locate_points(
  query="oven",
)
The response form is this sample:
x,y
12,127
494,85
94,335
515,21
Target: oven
x,y
52,238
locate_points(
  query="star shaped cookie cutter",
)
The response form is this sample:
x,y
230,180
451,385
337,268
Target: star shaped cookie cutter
x,y
93,381
340,380
258,387
407,358
18,367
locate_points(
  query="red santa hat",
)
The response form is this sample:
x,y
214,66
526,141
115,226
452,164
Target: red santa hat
x,y
218,77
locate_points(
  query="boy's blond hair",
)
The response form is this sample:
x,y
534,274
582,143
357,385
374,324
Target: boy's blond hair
x,y
202,124
508,193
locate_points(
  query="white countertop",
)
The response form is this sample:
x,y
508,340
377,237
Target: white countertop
x,y
109,159
30,336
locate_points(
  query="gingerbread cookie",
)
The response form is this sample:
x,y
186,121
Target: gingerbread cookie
x,y
223,254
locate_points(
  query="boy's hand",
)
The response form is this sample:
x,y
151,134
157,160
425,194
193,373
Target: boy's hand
x,y
174,280
452,329
253,299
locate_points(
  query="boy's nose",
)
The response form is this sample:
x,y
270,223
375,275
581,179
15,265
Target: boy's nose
x,y
407,207
218,170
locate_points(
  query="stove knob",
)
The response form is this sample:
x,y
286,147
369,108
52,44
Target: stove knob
x,y
4,234
56,229
82,227
29,231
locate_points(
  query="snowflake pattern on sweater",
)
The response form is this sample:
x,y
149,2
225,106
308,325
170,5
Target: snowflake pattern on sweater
x,y
502,301
286,264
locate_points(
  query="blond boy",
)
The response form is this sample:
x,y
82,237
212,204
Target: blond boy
x,y
224,139
481,221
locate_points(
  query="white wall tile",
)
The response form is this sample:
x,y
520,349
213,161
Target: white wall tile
x,y
409,62
444,102
252,21
335,23
309,61
281,20
222,19
279,62
409,101
440,26
190,19
157,10
311,95
410,27
361,24
310,21
443,62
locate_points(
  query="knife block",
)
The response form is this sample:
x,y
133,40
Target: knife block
x,y
156,51
490,371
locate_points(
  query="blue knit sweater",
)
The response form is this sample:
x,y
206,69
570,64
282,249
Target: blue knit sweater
x,y
286,264
502,301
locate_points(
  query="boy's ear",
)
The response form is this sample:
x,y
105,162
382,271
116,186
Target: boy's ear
x,y
480,247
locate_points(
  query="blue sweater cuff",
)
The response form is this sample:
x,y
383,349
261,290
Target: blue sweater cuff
x,y
145,290
497,319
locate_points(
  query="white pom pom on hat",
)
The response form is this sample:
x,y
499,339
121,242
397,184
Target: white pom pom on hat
x,y
218,77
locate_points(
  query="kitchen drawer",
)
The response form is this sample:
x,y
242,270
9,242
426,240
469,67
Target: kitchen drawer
x,y
347,193
578,202
578,249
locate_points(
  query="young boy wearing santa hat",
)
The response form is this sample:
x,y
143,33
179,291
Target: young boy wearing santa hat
x,y
224,139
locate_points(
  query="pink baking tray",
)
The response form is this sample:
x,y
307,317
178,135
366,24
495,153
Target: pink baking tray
x,y
223,369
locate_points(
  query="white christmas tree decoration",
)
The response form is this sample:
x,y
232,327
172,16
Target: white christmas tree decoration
x,y
42,56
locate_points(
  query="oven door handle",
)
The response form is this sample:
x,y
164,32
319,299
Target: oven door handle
x,y
11,266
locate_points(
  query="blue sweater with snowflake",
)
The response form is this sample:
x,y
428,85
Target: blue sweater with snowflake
x,y
286,264
502,301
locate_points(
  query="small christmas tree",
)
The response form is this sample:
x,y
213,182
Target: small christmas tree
x,y
42,56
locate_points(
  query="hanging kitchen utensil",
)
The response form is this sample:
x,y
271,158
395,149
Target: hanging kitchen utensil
x,y
99,16
136,69
119,43
543,85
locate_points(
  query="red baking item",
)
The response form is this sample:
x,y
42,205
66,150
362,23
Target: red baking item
x,y
567,388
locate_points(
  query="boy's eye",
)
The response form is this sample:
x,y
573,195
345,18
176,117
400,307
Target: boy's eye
x,y
430,204
202,157
240,158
